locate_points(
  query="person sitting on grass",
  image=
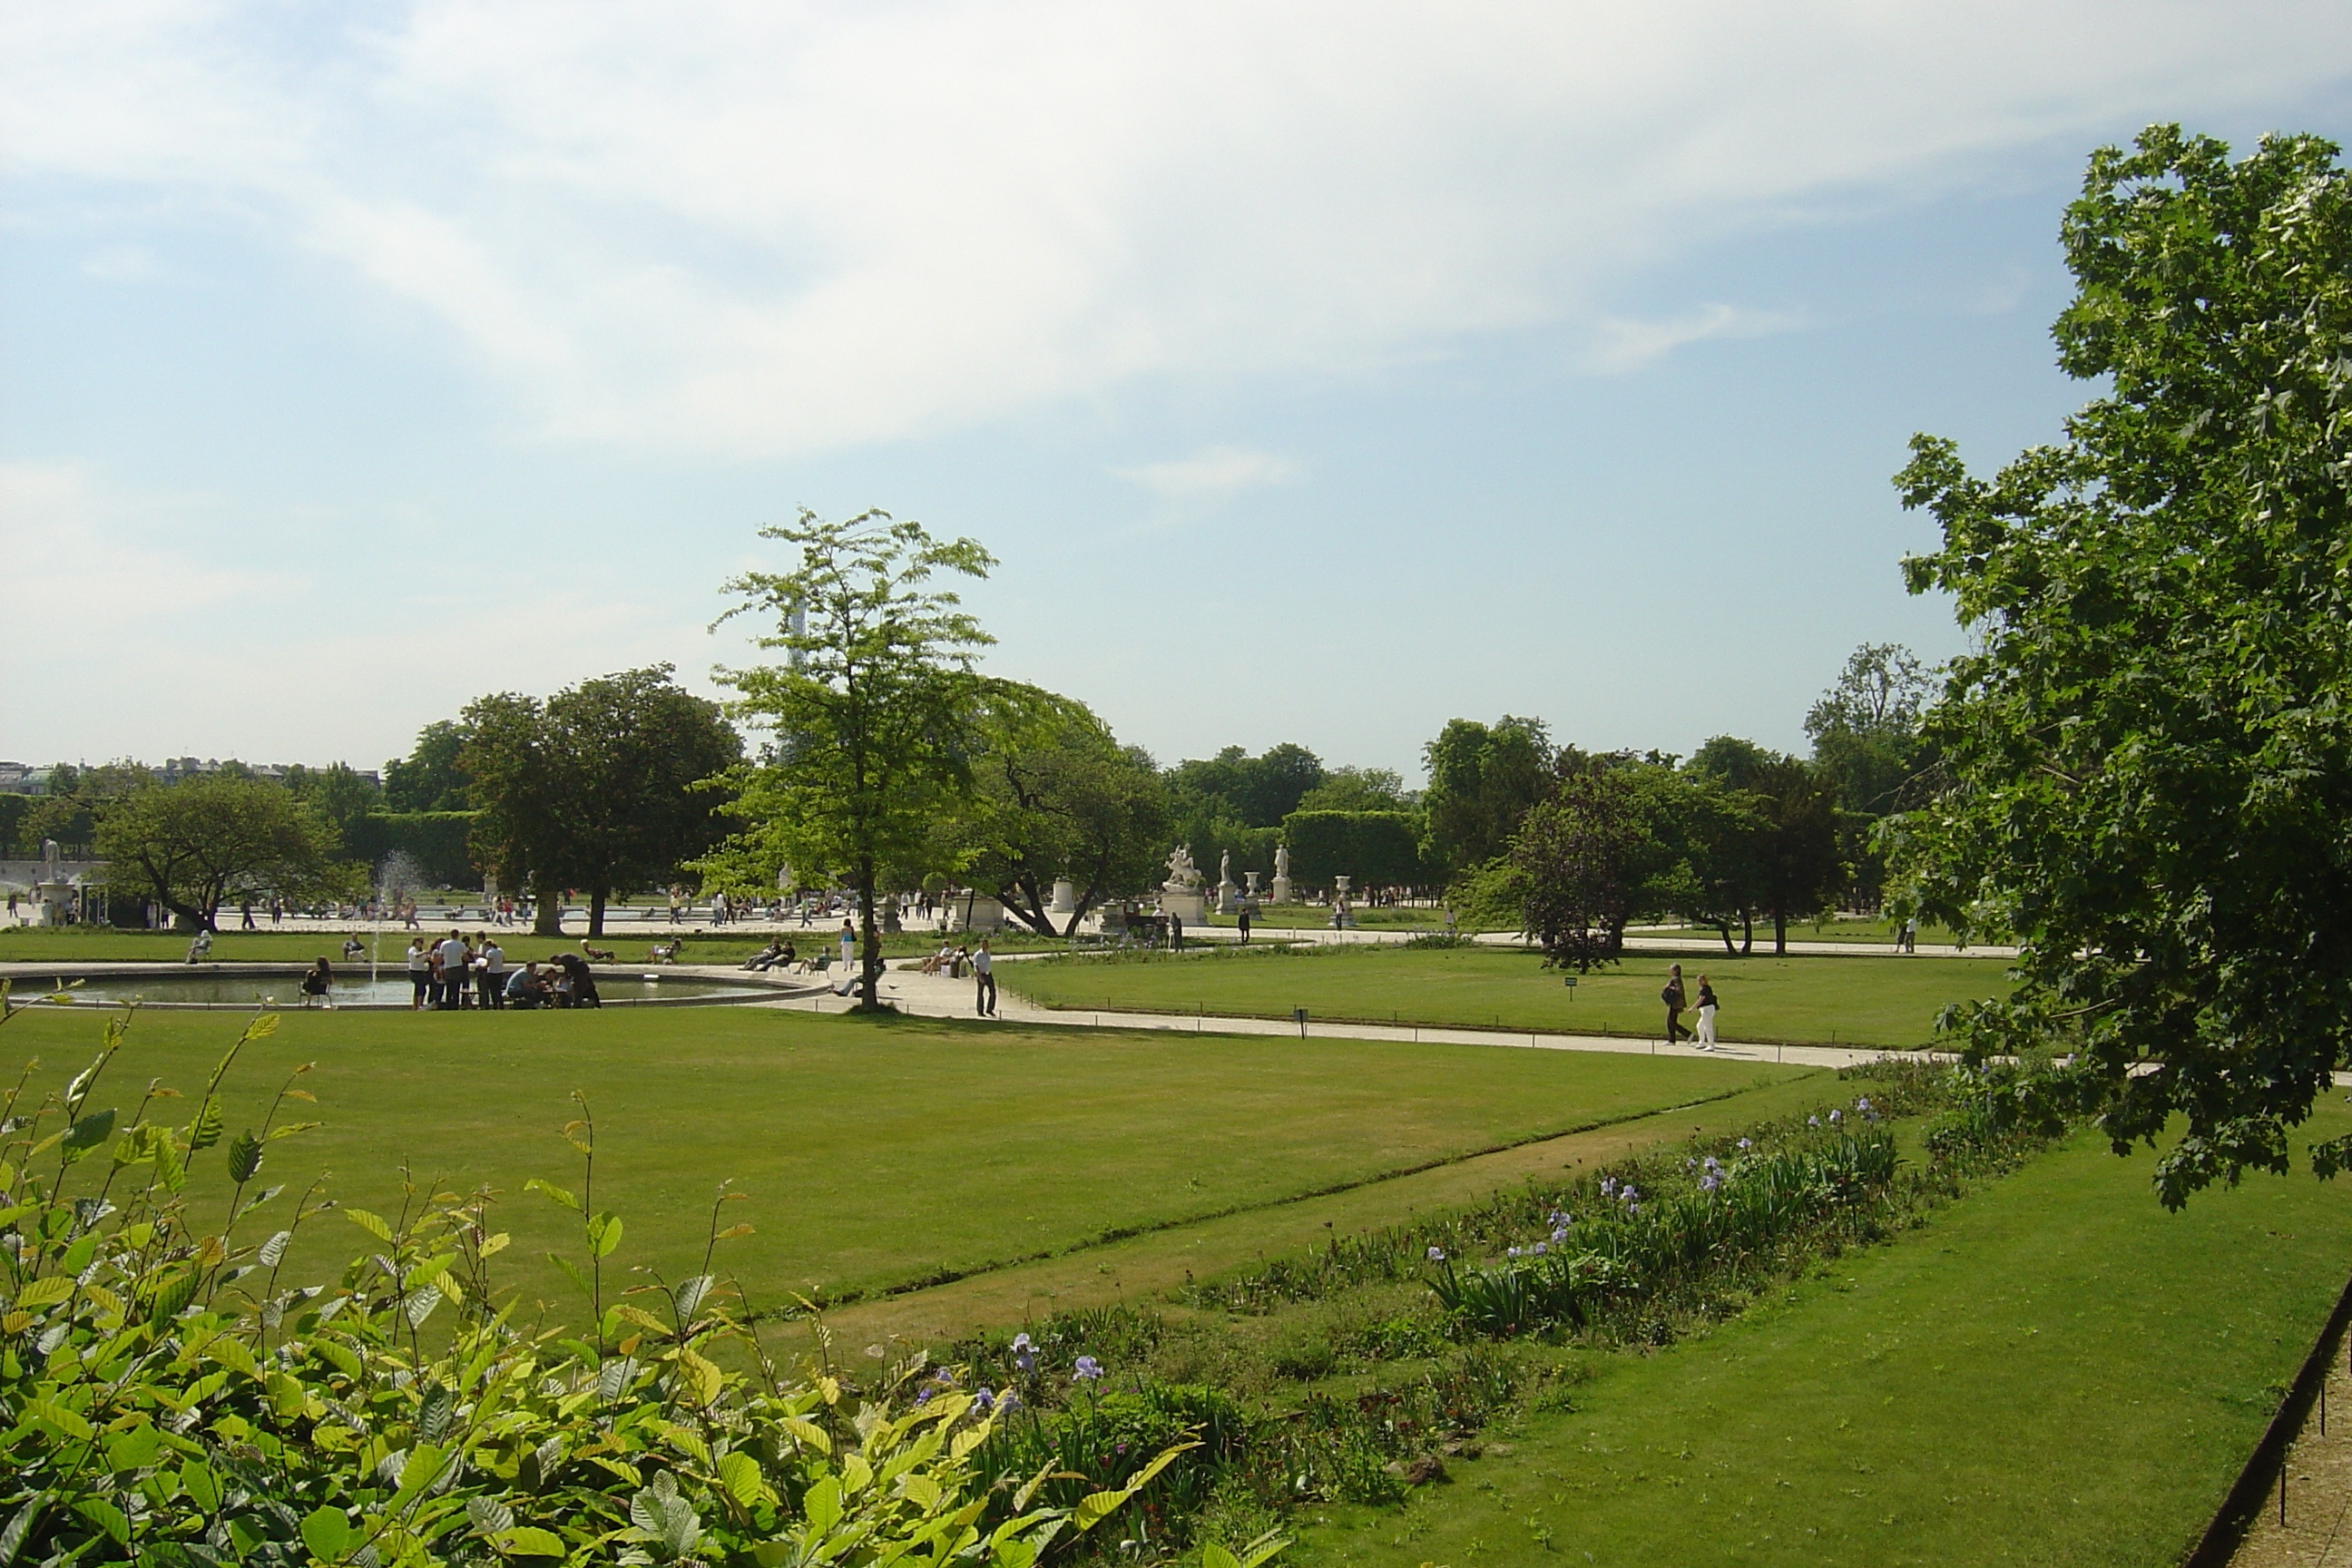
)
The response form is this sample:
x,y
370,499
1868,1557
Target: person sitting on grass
x,y
600,954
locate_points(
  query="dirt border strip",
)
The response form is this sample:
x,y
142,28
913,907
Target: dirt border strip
x,y
2266,1466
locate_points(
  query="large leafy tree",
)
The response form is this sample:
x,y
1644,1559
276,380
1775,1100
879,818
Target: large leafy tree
x,y
1059,796
193,846
432,777
1582,861
597,787
2150,749
1482,780
876,720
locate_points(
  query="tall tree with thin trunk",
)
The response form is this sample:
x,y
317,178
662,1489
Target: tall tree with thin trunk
x,y
874,722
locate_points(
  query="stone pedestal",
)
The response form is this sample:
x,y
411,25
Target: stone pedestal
x,y
1066,896
50,902
975,912
1188,905
1279,891
1228,898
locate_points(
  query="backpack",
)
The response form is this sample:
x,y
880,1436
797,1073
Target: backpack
x,y
1669,996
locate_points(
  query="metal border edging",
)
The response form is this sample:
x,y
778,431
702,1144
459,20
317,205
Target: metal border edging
x,y
2227,1532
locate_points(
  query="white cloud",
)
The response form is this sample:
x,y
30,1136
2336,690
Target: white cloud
x,y
703,225
1213,475
121,264
1621,345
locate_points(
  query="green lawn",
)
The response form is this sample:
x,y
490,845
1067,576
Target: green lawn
x,y
1879,928
874,1153
1859,1000
2054,1370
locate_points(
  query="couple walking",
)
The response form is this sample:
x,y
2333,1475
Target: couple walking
x,y
1676,999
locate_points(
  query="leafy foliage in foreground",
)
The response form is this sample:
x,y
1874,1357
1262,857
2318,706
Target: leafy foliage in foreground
x,y
169,1397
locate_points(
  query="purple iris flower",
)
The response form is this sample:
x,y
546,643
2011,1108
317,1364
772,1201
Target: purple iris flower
x,y
1437,1255
1088,1370
983,1400
1837,1116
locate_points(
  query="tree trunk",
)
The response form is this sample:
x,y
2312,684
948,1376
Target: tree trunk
x,y
1779,934
1747,935
547,914
596,897
870,960
1723,927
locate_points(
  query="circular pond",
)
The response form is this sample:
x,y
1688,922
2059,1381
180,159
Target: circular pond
x,y
352,989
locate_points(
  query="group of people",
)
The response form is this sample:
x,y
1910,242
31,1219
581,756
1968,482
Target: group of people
x,y
456,973
1676,999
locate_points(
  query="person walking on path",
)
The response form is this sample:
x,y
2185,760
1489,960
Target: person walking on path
x,y
983,974
1672,996
1242,918
1707,1007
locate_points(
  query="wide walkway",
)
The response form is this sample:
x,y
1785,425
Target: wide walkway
x,y
936,996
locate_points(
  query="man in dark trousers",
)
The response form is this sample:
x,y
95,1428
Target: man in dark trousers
x,y
1672,996
983,973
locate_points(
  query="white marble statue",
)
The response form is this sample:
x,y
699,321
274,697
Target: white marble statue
x,y
1282,861
1181,873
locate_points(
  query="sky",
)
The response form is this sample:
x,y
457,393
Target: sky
x,y
1316,372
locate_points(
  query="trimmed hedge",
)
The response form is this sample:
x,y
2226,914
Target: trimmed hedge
x,y
436,840
1378,849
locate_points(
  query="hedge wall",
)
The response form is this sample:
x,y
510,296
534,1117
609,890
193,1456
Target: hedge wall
x,y
436,840
1378,849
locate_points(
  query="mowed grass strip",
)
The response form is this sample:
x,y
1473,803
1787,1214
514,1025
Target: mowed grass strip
x,y
2053,1371
874,1153
1862,1001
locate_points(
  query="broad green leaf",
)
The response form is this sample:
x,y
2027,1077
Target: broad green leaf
x,y
821,1506
68,1422
533,1184
45,1292
739,1474
375,1225
243,1157
205,1130
1216,1556
702,1379
262,1026
273,1251
88,1131
530,1540
134,1449
106,1517
203,1487
328,1533
603,1235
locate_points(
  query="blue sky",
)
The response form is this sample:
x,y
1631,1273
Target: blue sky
x,y
1318,373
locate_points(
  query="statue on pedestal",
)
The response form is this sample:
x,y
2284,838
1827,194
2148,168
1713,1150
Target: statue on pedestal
x,y
1280,891
1182,875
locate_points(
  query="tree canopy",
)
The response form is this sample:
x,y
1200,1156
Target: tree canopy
x,y
1061,797
1482,780
432,777
2149,750
193,846
875,721
595,788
